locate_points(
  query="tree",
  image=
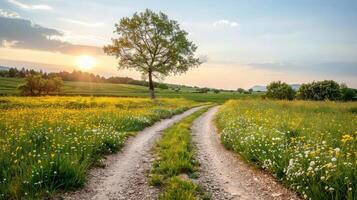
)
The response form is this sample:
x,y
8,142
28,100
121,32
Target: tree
x,y
152,44
52,85
280,90
216,91
320,90
347,94
36,85
240,90
202,90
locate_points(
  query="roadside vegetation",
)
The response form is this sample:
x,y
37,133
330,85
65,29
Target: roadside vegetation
x,y
308,146
175,164
316,91
49,143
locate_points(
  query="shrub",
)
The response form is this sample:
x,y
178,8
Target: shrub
x,y
240,90
203,90
347,94
321,90
280,90
36,85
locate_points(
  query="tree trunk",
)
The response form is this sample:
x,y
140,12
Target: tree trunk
x,y
151,86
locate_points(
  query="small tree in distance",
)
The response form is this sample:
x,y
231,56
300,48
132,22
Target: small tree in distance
x,y
280,90
240,90
152,44
37,85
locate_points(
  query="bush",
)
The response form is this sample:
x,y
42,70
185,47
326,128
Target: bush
x,y
240,90
203,90
36,85
216,91
347,94
320,90
280,90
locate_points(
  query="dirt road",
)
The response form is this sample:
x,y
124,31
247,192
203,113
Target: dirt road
x,y
125,174
224,175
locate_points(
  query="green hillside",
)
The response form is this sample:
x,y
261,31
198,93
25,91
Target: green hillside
x,y
8,87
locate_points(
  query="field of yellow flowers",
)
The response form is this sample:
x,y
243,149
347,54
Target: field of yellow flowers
x,y
310,147
49,143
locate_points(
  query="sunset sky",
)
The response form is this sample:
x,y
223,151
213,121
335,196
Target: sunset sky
x,y
244,43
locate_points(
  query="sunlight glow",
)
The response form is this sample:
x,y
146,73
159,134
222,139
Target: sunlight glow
x,y
85,62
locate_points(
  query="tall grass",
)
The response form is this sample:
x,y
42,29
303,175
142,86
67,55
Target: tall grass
x,y
49,143
309,146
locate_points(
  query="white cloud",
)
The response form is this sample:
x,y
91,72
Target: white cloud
x,y
9,14
82,23
225,22
23,34
30,7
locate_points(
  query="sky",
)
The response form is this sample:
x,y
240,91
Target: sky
x,y
244,42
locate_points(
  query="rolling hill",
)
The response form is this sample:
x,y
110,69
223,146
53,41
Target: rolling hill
x,y
8,86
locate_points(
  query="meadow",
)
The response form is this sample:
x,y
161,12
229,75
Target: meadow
x,y
311,147
70,88
49,143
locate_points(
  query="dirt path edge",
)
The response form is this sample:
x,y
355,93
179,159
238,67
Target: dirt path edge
x,y
224,174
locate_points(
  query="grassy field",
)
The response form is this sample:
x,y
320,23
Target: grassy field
x,y
8,87
175,157
309,146
49,143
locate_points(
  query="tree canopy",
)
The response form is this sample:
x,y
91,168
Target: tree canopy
x,y
37,85
320,90
152,44
280,90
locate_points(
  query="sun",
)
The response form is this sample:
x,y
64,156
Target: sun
x,y
85,62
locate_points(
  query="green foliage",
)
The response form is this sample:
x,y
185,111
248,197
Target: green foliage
x,y
240,90
320,90
177,89
152,44
309,146
75,75
175,157
36,85
216,91
280,90
203,90
347,94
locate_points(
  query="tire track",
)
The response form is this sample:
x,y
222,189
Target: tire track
x,y
125,174
224,175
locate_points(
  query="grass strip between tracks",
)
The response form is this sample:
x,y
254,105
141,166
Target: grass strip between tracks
x,y
175,165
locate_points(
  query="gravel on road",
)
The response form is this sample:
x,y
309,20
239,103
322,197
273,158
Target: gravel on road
x,y
224,175
125,174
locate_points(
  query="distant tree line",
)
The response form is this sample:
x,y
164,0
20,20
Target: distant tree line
x,y
316,91
76,76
